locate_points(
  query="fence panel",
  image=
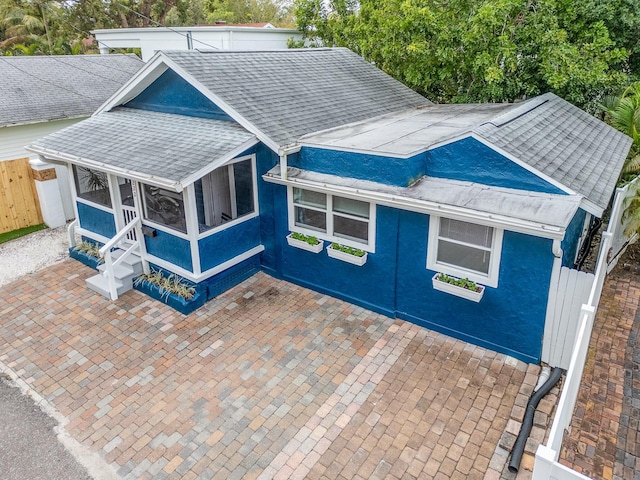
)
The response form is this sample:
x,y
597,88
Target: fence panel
x,y
572,291
618,223
19,206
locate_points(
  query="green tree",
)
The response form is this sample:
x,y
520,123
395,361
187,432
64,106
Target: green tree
x,y
475,50
623,113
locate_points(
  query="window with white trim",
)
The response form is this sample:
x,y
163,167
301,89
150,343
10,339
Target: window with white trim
x,y
333,218
464,249
92,185
226,194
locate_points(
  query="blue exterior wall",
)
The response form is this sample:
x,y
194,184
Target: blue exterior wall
x,y
509,319
472,161
226,244
171,248
170,93
572,235
395,281
96,220
391,171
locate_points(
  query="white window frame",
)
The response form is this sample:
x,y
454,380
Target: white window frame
x,y
490,279
256,205
370,246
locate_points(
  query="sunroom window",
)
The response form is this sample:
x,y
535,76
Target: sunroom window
x,y
465,249
92,185
225,194
164,207
331,217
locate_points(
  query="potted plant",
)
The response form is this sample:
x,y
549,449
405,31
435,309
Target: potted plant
x,y
461,287
347,254
305,242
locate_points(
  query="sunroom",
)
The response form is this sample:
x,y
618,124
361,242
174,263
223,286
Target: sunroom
x,y
170,190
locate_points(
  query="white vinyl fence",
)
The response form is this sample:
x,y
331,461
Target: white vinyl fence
x,y
618,224
546,465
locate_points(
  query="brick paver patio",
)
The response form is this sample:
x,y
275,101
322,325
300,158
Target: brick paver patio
x,y
604,440
269,380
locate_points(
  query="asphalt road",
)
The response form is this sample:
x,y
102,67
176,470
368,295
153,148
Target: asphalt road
x,y
29,447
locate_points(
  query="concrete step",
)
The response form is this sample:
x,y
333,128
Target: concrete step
x,y
99,283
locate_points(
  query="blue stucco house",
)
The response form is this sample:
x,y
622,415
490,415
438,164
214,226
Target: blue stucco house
x,y
205,162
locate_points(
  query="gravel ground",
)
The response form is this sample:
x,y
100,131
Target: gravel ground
x,y
32,252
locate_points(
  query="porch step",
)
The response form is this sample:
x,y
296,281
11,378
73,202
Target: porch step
x,y
99,284
124,273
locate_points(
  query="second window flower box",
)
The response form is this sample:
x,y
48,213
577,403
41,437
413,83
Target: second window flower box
x,y
347,254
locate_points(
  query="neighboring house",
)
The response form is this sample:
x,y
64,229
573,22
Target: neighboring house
x,y
249,36
42,94
221,155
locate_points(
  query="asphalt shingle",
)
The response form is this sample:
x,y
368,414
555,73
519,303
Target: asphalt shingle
x,y
161,145
44,88
563,142
288,93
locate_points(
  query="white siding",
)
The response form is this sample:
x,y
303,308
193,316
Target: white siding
x,y
13,140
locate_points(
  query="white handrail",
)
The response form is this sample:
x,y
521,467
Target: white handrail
x,y
105,252
71,233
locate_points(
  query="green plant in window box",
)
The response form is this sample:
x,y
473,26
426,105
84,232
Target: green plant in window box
x,y
460,282
310,239
356,252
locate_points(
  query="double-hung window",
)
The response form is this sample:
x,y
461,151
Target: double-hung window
x,y
333,218
465,250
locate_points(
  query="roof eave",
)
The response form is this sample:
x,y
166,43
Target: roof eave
x,y
430,208
85,162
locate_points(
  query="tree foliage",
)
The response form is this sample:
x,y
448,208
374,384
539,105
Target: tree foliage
x,y
482,50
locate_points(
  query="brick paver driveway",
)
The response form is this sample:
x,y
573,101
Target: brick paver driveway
x,y
268,380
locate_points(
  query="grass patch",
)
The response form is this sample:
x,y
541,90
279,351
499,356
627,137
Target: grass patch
x,y
21,232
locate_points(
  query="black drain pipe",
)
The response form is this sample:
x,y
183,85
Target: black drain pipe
x,y
527,421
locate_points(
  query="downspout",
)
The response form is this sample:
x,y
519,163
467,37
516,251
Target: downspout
x,y
284,153
527,421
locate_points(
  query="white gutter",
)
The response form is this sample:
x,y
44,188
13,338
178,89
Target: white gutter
x,y
284,152
430,208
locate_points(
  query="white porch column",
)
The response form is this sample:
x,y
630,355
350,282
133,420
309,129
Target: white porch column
x,y
48,191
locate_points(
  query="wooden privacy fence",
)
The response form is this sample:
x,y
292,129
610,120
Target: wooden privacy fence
x,y
19,206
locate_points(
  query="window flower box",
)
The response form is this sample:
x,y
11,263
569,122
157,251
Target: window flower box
x,y
462,288
347,254
305,242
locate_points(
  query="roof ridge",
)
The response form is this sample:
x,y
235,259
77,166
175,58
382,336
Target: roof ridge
x,y
519,110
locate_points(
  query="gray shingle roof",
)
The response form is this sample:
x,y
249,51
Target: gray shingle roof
x,y
167,147
563,142
289,93
43,88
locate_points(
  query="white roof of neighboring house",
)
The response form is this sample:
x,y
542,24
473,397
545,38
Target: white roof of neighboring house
x,y
37,89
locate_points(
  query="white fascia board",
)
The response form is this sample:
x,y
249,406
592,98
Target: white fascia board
x,y
429,208
524,165
220,103
590,207
219,162
141,177
136,85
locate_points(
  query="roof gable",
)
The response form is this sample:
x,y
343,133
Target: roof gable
x,y
170,93
283,94
43,88
564,143
471,161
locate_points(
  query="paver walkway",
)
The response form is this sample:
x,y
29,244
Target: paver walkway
x,y
269,380
604,441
